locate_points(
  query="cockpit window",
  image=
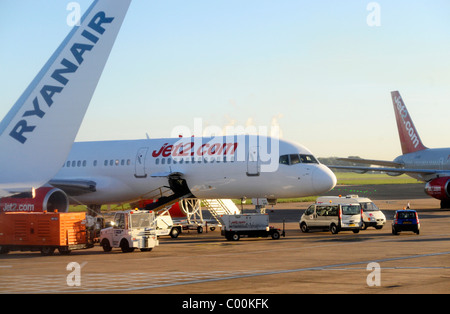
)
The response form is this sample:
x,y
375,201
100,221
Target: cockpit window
x,y
308,159
284,160
293,159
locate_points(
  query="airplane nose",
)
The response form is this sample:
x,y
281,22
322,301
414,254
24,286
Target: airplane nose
x,y
323,180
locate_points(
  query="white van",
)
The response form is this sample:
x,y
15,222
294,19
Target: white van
x,y
372,215
333,215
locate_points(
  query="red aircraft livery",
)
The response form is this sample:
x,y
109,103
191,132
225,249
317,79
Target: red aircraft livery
x,y
189,149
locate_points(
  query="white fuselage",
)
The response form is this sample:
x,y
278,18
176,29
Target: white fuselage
x,y
131,169
428,159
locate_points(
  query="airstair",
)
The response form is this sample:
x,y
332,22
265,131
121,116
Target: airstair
x,y
164,198
218,207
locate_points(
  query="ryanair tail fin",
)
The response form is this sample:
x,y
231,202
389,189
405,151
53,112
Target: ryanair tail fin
x,y
38,132
409,138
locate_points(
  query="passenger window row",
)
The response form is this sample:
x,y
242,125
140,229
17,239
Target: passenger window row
x,y
192,160
115,162
293,159
107,162
75,163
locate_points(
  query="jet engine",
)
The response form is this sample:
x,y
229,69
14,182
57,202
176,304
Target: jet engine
x,y
45,199
439,188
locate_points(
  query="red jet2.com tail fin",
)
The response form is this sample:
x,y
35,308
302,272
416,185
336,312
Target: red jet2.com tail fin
x,y
409,138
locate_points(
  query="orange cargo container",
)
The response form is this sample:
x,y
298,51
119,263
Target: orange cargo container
x,y
43,232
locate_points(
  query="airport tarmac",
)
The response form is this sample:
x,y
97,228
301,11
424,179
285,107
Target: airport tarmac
x,y
300,263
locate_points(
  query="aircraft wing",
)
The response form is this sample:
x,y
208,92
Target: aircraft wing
x,y
384,163
75,187
392,171
390,167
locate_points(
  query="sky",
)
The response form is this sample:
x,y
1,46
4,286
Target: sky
x,y
320,70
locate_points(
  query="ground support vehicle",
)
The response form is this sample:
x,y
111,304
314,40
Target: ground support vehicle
x,y
166,226
405,220
175,218
248,225
45,232
194,226
372,216
130,230
332,216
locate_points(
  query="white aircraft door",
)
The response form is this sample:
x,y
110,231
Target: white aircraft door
x,y
253,161
140,170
